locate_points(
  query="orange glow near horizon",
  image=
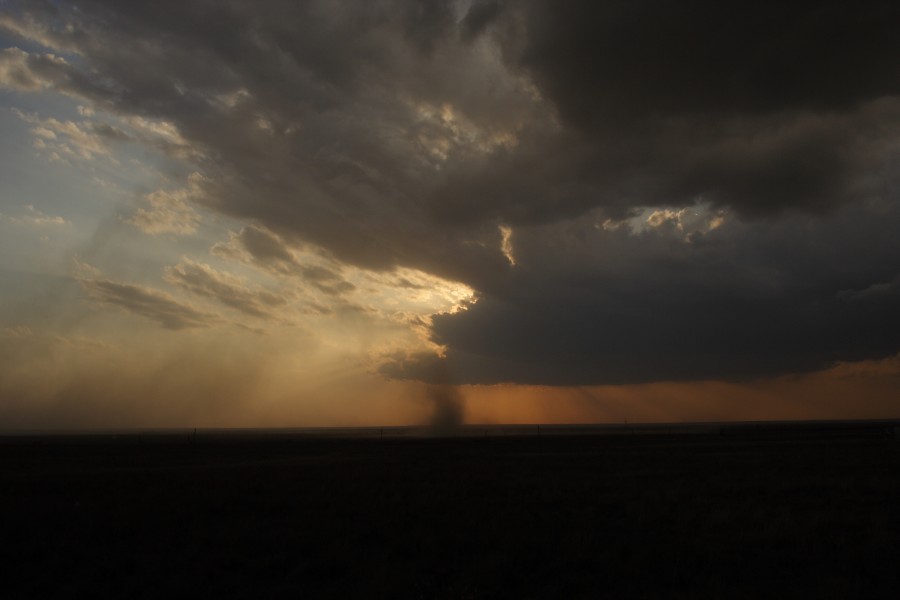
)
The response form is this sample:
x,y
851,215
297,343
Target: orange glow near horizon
x,y
861,390
295,381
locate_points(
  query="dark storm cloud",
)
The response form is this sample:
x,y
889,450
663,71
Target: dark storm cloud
x,y
614,60
479,16
738,302
405,133
757,106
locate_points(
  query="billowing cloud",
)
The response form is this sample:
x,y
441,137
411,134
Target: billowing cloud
x,y
169,211
32,72
636,191
69,138
22,71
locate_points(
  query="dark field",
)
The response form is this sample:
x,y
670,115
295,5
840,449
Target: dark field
x,y
808,512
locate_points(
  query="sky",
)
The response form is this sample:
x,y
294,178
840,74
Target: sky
x,y
354,213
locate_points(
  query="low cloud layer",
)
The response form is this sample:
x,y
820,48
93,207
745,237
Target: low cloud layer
x,y
548,155
146,302
205,281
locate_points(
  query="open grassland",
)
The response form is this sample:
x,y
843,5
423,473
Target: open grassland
x,y
708,515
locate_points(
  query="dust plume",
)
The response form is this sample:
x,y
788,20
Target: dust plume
x,y
449,410
447,405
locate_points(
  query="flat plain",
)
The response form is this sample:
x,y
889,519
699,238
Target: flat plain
x,y
723,512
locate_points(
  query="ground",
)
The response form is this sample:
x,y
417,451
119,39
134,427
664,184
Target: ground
x,y
719,513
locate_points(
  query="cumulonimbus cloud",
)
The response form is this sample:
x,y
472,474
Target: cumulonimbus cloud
x,y
410,133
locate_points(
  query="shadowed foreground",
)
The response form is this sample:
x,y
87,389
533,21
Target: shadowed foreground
x,y
748,513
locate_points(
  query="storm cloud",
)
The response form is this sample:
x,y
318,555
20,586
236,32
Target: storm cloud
x,y
637,191
737,302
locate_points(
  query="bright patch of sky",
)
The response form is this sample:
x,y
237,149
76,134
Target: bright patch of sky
x,y
684,221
